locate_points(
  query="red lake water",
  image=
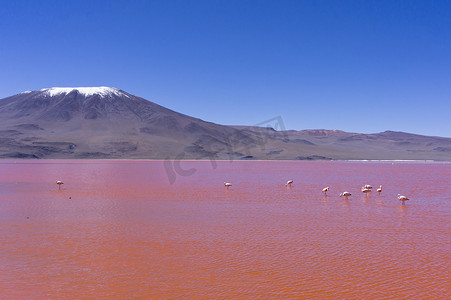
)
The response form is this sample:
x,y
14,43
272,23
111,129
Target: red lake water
x,y
155,230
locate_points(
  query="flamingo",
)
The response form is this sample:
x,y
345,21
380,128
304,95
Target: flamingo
x,y
368,186
366,191
403,199
227,185
59,183
379,190
325,190
345,194
289,182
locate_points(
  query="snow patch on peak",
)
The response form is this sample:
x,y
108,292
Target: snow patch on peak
x,y
103,91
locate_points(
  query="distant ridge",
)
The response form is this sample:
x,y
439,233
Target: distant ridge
x,y
106,122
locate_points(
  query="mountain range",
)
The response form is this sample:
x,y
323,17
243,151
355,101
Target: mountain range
x,y
104,122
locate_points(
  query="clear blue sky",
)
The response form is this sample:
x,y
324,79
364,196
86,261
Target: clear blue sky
x,y
360,66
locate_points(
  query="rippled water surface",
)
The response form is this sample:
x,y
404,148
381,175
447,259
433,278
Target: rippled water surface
x,y
127,232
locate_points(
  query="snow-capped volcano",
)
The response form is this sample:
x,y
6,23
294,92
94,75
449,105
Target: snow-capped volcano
x,y
106,122
102,91
64,104
103,122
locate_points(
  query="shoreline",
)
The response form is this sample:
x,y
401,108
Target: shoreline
x,y
224,160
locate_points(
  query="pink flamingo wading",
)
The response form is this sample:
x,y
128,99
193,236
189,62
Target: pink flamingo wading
x,y
345,194
379,190
59,183
366,191
403,199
